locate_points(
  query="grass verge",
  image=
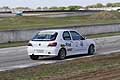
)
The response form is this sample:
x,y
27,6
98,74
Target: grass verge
x,y
13,44
103,35
67,70
32,22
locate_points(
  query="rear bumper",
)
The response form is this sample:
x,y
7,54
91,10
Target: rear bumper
x,y
42,52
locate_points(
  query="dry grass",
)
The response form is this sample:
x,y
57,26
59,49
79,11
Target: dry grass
x,y
106,15
68,70
33,22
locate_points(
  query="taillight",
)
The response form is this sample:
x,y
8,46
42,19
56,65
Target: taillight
x,y
29,44
53,44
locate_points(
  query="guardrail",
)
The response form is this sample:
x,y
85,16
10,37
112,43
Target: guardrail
x,y
24,35
35,11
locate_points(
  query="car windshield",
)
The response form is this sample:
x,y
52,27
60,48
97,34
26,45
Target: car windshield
x,y
45,36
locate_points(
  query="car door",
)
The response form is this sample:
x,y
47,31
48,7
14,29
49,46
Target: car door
x,y
68,42
83,44
79,42
76,42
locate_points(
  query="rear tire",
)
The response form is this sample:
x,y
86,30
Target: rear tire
x,y
61,54
34,57
91,50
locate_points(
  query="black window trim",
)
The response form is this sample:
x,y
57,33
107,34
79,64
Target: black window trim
x,y
69,36
46,40
82,38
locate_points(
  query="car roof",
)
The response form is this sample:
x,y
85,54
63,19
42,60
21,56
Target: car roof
x,y
56,30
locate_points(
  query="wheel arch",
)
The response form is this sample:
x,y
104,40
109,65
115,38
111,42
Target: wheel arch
x,y
64,49
60,57
92,45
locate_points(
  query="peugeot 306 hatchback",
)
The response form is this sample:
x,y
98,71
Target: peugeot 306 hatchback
x,y
59,43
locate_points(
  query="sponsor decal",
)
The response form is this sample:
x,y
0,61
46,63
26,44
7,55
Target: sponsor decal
x,y
62,45
68,44
69,49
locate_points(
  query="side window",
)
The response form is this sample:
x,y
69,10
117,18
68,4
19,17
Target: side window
x,y
66,35
75,35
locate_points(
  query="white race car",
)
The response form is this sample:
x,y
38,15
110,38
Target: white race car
x,y
59,43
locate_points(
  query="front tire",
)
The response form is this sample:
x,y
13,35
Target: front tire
x,y
34,57
61,54
91,50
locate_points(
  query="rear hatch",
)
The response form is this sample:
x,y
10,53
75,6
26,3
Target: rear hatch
x,y
40,44
44,39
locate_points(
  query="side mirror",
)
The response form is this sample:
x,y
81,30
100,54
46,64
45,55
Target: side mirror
x,y
84,38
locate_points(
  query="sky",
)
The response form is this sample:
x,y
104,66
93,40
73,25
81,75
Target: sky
x,y
50,3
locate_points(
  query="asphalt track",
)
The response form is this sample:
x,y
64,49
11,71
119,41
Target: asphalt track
x,y
16,57
55,14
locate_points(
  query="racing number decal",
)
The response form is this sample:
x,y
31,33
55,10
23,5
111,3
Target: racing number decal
x,y
69,49
69,45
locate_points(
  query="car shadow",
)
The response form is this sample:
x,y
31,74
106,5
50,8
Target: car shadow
x,y
68,57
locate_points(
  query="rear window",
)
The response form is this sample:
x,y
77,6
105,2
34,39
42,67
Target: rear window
x,y
45,36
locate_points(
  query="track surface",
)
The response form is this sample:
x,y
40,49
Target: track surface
x,y
16,57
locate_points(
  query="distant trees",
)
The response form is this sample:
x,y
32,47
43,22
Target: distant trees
x,y
99,5
54,8
77,7
39,8
42,8
45,8
113,5
117,4
65,8
109,5
74,7
60,8
5,7
57,8
27,8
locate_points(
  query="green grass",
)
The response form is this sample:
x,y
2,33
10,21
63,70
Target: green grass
x,y
13,44
32,22
65,69
103,35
